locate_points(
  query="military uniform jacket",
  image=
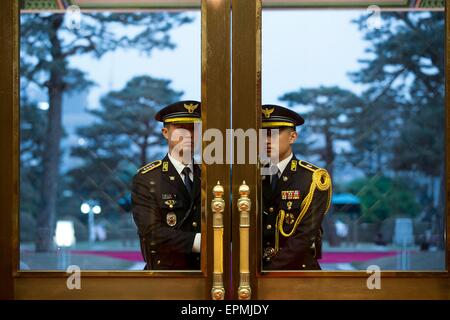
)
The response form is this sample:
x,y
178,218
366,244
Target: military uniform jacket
x,y
298,245
167,216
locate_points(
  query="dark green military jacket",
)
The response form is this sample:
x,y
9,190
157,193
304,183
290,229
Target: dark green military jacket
x,y
167,216
290,242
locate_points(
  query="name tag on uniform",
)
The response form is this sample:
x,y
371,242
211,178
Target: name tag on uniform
x,y
290,194
168,196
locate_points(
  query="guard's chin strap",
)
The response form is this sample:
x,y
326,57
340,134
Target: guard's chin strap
x,y
320,180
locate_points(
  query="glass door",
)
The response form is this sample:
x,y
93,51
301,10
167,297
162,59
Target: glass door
x,y
355,215
95,207
360,212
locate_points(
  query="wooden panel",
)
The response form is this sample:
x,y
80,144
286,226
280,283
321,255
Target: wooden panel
x,y
447,135
336,3
246,108
111,288
352,288
9,142
216,115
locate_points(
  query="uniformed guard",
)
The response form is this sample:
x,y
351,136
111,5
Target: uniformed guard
x,y
166,195
296,197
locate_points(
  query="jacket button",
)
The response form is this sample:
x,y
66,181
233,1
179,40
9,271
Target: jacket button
x,y
194,224
269,227
271,209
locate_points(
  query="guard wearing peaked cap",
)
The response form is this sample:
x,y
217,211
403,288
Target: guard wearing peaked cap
x,y
296,197
166,195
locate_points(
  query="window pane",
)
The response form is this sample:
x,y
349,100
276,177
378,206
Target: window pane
x,y
91,84
371,91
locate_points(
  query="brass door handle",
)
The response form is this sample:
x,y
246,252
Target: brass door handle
x,y
218,206
244,205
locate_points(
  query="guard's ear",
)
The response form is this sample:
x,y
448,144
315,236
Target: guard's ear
x,y
165,132
293,136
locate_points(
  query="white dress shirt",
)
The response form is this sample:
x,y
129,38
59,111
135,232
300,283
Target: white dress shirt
x,y
282,164
179,166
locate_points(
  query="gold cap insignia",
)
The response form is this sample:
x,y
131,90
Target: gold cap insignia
x,y
267,112
190,107
171,219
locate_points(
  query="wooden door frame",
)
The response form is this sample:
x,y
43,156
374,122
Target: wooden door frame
x,y
311,284
17,284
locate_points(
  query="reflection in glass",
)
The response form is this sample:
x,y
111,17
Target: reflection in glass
x,y
373,101
166,197
89,94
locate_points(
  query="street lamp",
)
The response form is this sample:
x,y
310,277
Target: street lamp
x,y
91,209
64,238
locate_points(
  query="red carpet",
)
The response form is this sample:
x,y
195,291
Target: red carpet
x,y
327,257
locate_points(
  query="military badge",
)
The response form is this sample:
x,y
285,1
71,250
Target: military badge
x,y
165,166
289,205
290,195
294,165
267,112
289,218
171,219
190,107
170,203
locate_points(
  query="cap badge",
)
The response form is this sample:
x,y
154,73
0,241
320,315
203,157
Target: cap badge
x,y
190,107
267,112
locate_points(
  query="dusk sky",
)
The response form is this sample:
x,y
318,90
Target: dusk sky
x,y
301,48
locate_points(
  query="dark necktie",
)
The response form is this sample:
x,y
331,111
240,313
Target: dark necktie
x,y
274,180
187,180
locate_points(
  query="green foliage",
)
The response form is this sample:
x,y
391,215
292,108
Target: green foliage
x,y
402,124
329,111
47,45
121,139
32,136
382,197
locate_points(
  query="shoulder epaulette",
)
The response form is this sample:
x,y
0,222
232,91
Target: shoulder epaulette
x,y
307,165
150,166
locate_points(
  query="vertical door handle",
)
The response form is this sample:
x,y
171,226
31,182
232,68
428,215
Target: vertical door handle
x,y
218,206
244,205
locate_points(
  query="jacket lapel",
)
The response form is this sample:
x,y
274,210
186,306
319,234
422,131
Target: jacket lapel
x,y
286,178
177,182
197,181
284,183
